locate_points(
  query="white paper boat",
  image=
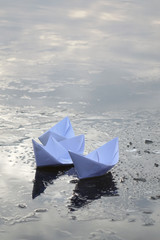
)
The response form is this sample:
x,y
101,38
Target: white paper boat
x,y
98,162
56,153
60,131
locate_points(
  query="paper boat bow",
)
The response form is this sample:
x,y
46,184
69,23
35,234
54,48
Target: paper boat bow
x,y
98,162
56,153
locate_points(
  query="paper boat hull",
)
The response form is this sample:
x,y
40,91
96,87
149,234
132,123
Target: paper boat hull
x,y
87,167
56,153
44,158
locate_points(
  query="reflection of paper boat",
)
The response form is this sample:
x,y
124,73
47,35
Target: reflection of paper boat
x,y
92,189
98,162
46,176
60,131
55,153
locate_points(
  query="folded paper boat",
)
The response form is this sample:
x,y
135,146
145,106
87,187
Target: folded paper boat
x,y
56,142
62,130
98,162
56,153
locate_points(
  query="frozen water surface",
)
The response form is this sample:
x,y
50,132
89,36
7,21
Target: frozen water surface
x,y
98,63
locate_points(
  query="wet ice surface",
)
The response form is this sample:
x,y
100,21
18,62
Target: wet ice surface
x,y
128,196
96,63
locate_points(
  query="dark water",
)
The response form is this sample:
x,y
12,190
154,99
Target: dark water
x,y
98,63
